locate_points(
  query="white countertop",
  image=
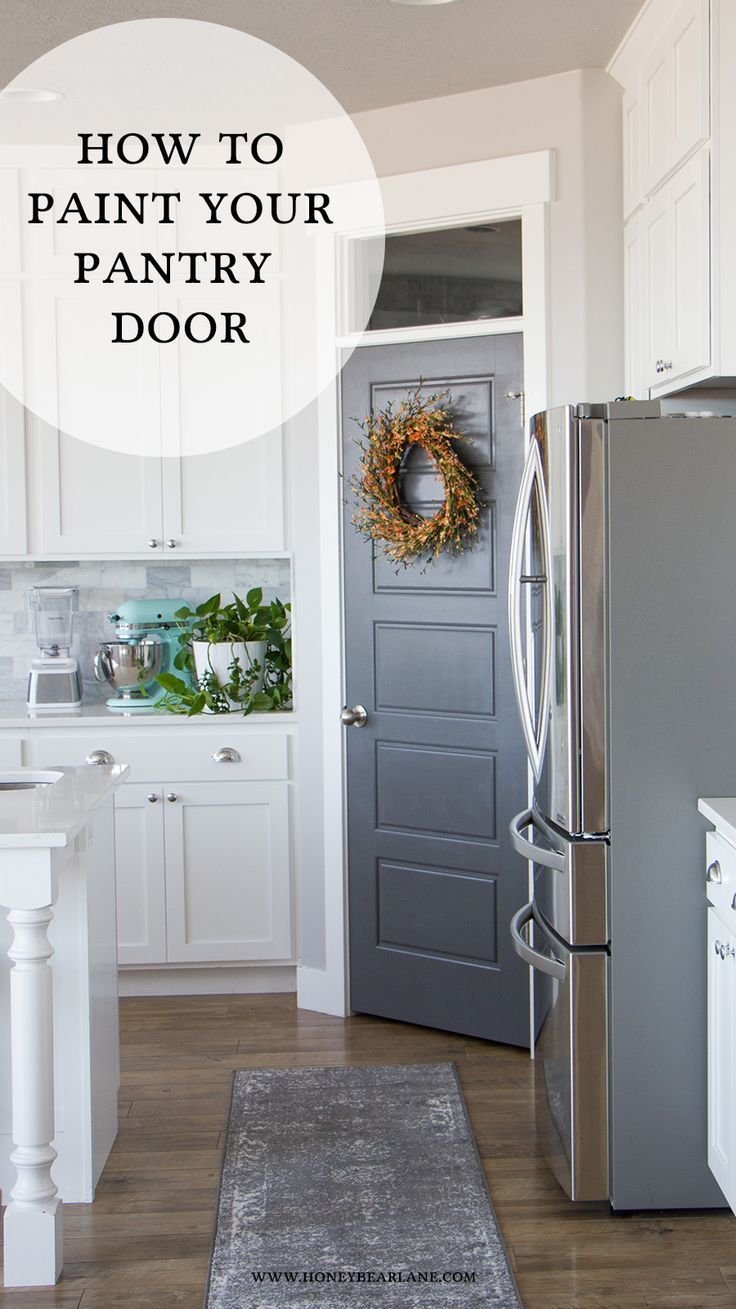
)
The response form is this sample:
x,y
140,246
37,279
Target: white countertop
x,y
721,810
15,713
50,816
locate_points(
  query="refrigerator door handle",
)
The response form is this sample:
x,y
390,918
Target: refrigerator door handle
x,y
539,854
535,734
554,967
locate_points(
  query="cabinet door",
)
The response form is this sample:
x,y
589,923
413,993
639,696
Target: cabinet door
x,y
93,501
140,879
12,438
89,500
721,1081
228,885
632,147
228,502
13,536
676,223
658,299
633,310
675,102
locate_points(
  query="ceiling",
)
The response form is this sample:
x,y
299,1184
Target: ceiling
x,y
369,53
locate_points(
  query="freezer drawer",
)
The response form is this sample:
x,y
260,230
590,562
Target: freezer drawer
x,y
570,879
571,1058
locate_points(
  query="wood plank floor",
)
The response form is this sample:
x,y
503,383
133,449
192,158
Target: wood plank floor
x,y
145,1242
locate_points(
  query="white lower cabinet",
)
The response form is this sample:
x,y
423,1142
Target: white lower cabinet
x,y
227,872
203,872
202,841
721,1070
141,876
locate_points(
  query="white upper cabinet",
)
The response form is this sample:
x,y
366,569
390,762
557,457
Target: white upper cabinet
x,y
675,160
13,532
230,501
676,260
633,302
63,498
12,441
632,147
675,94
91,501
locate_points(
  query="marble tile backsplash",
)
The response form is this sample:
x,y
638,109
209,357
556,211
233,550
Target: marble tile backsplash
x,y
103,586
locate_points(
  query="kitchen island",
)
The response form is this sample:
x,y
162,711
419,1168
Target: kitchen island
x,y
60,1057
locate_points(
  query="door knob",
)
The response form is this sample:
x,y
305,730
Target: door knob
x,y
355,717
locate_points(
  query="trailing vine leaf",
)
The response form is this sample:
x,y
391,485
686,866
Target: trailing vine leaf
x,y
237,622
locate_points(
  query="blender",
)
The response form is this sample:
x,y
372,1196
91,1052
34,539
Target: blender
x,y
53,682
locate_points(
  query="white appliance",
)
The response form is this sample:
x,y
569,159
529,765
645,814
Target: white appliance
x,y
53,682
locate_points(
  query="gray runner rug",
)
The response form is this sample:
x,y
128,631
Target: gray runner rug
x,y
355,1188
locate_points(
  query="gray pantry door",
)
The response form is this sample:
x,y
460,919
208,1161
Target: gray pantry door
x,y
439,768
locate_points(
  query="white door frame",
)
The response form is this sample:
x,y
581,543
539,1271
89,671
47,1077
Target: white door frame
x,y
520,186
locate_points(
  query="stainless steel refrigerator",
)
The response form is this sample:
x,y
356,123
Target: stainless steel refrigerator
x,y
623,633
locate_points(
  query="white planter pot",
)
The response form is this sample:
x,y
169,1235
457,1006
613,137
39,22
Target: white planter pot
x,y
217,658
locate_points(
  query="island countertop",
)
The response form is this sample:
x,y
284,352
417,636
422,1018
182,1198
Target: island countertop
x,y
51,816
721,811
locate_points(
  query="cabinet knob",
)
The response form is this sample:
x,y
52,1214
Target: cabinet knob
x,y
171,543
714,872
226,756
153,544
100,758
153,797
172,798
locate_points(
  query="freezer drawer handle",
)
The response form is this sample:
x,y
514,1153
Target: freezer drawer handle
x,y
540,854
542,962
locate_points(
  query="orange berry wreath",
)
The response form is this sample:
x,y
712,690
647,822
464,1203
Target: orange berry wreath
x,y
381,515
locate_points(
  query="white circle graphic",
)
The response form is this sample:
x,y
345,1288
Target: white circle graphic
x,y
180,210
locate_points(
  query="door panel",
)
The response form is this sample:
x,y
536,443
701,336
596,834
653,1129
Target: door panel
x,y
439,769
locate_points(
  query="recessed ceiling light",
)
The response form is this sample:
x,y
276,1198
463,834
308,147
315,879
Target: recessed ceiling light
x,y
30,95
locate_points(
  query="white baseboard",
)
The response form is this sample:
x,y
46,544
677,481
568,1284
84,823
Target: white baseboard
x,y
229,980
318,990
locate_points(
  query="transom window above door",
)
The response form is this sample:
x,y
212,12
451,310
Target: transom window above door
x,y
451,275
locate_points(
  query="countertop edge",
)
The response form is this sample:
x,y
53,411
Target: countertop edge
x,y
721,811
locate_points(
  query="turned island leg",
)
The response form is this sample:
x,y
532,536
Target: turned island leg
x,y
32,1234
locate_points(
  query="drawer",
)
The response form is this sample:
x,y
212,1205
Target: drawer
x,y
722,895
173,757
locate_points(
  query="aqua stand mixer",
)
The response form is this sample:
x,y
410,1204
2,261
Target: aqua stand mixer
x,y
145,645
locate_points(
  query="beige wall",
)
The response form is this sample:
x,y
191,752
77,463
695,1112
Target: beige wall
x,y
577,115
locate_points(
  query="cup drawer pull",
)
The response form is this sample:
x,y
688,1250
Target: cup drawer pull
x,y
226,756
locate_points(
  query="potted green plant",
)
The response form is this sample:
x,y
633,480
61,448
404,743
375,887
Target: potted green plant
x,y
238,656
